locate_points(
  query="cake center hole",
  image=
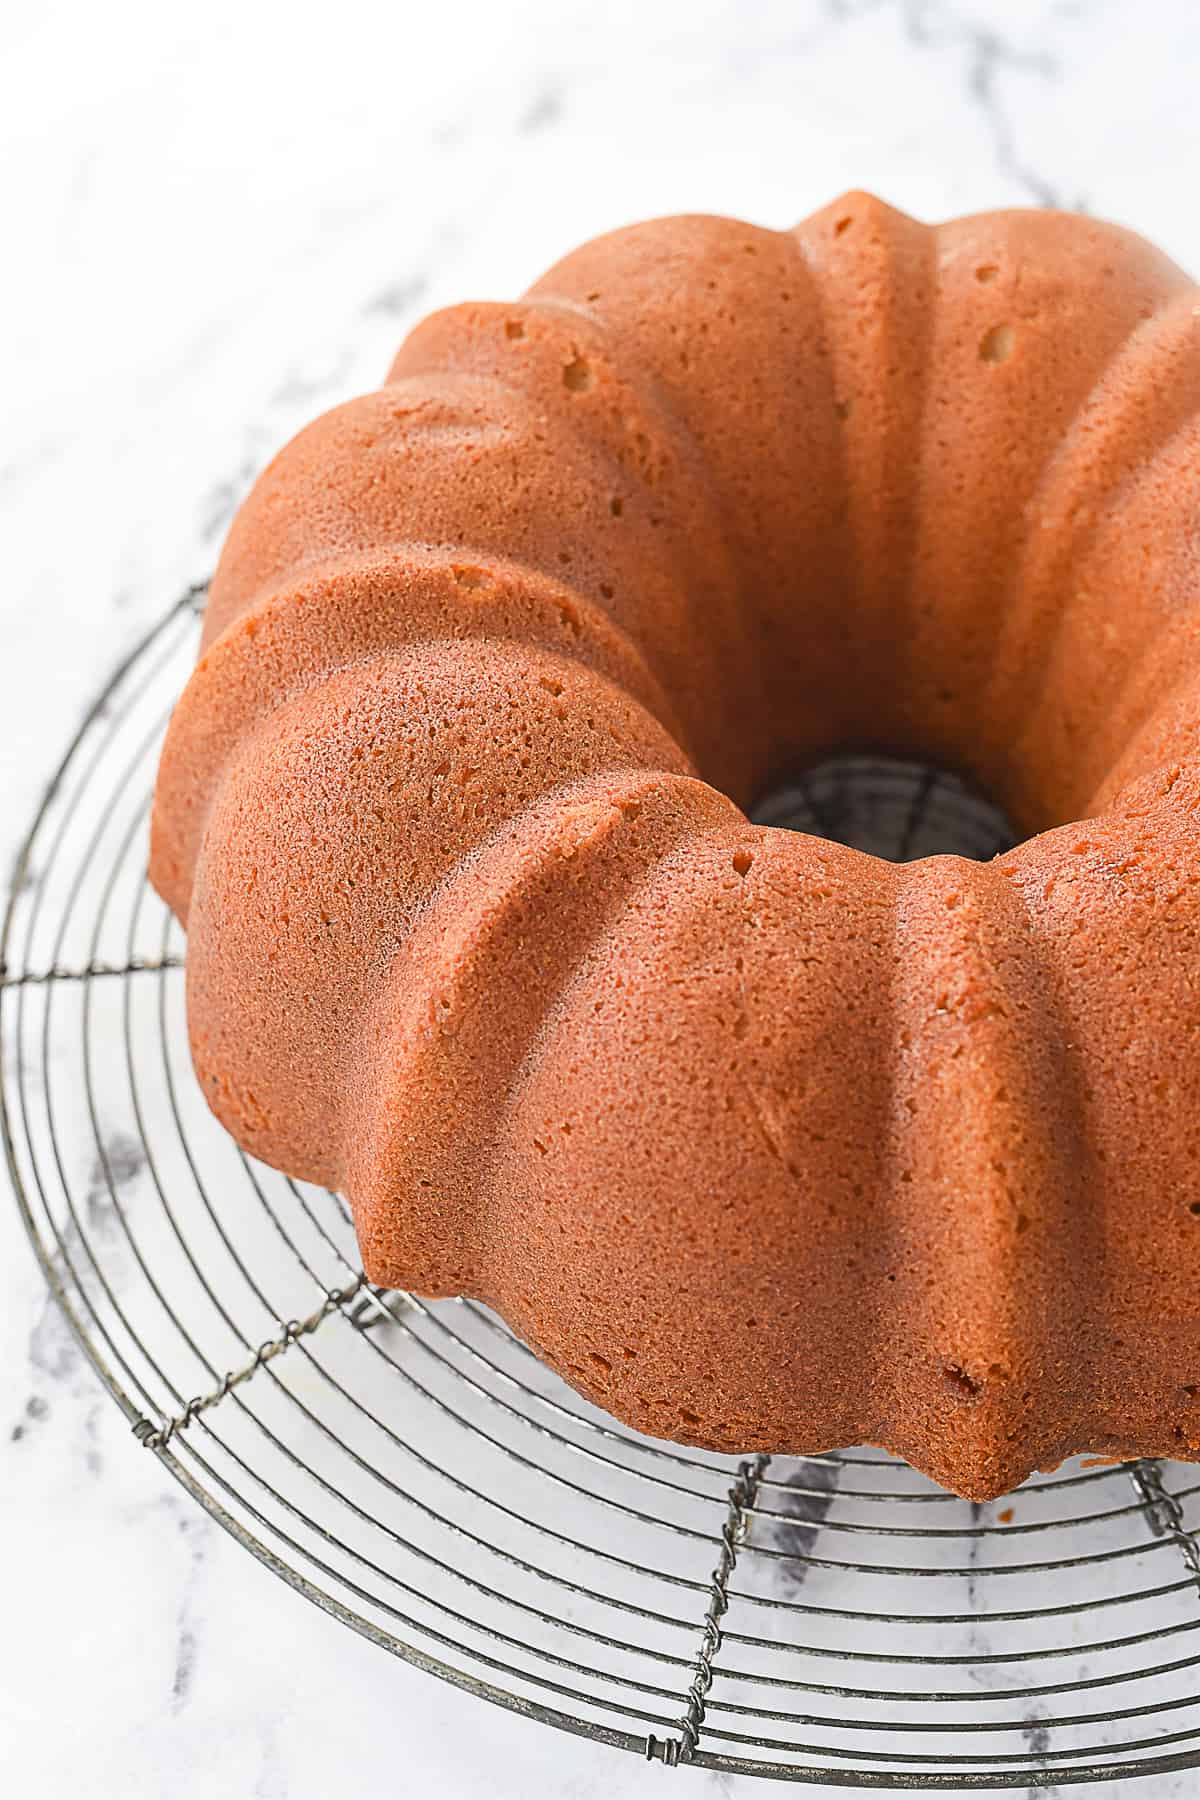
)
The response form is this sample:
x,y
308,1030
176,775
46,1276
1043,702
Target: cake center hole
x,y
890,808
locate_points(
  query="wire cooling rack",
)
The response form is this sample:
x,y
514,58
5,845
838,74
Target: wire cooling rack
x,y
414,1470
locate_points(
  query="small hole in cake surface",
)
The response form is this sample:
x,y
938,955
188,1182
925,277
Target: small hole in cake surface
x,y
513,328
896,809
577,375
843,225
996,345
986,272
958,1380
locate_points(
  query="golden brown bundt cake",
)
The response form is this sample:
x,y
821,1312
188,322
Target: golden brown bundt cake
x,y
763,1143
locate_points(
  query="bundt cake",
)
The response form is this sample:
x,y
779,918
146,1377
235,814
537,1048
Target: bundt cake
x,y
761,1142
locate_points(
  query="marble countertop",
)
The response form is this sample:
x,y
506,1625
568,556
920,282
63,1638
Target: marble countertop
x,y
220,221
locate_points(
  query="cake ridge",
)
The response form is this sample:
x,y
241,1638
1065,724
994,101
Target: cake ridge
x,y
884,468
293,602
1013,1273
655,425
570,840
1124,457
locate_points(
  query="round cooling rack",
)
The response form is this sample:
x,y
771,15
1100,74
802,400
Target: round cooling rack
x,y
415,1471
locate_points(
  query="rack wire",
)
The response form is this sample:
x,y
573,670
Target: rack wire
x,y
413,1469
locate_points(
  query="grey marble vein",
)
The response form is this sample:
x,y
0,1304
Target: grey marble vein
x,y
37,1411
194,1528
803,1514
545,110
991,54
297,390
399,297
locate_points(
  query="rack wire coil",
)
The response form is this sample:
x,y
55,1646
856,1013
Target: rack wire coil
x,y
413,1469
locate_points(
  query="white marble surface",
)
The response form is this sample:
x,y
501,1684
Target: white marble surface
x,y
219,220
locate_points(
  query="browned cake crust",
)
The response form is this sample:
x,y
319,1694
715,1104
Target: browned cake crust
x,y
761,1142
